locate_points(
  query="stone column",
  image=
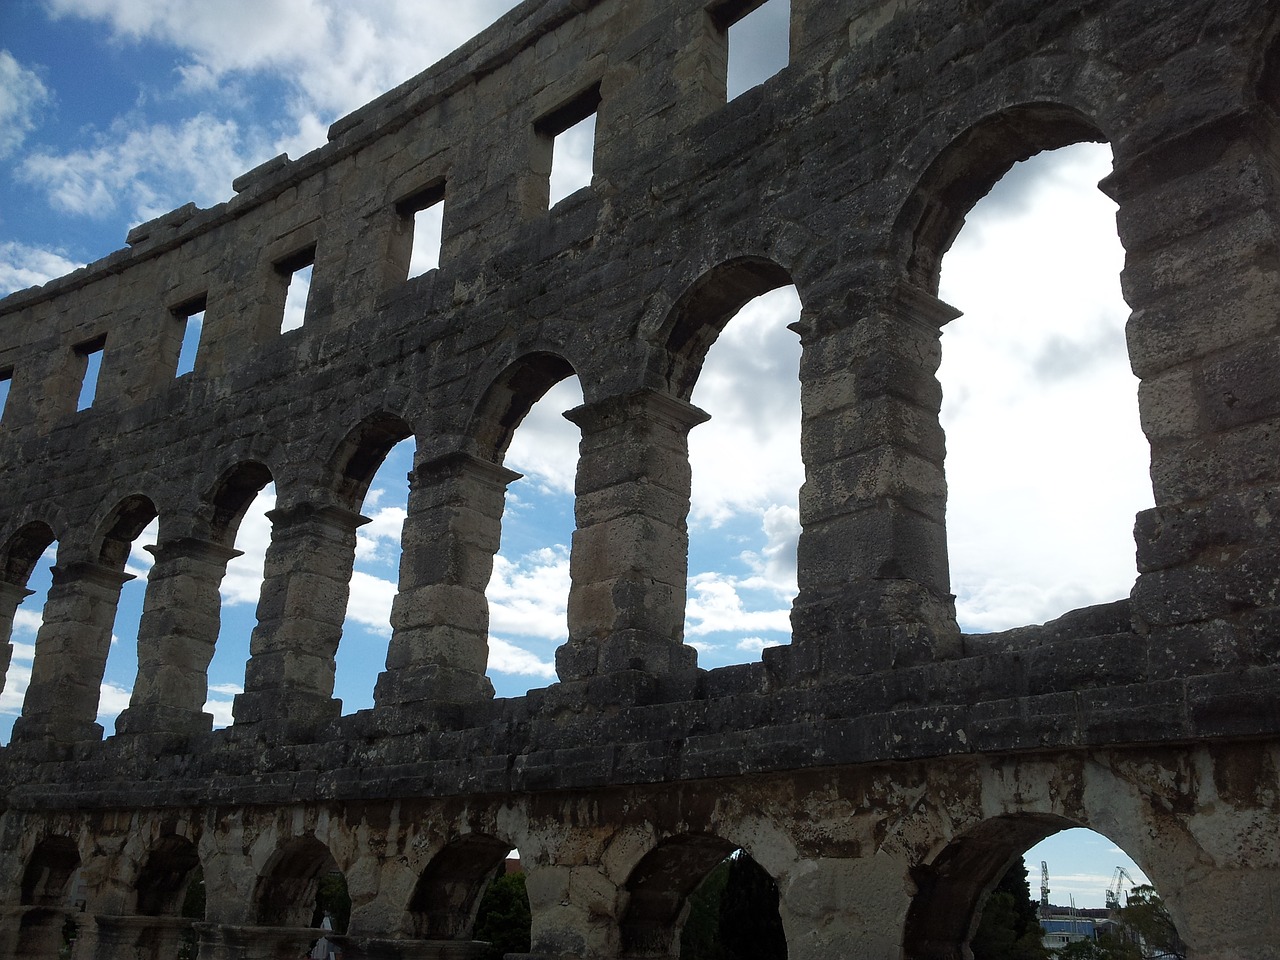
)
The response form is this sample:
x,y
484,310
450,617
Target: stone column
x,y
176,636
32,933
1200,228
630,557
71,655
225,942
874,586
11,597
439,647
306,582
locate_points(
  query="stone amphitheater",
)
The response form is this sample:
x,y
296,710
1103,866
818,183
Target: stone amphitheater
x,y
883,768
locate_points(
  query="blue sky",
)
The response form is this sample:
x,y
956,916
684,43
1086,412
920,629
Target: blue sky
x,y
115,111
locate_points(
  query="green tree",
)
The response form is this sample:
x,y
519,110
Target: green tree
x,y
733,915
1009,929
503,918
1144,915
332,898
700,938
1106,947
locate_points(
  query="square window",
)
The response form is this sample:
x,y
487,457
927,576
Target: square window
x,y
423,216
190,316
759,41
570,134
296,271
89,356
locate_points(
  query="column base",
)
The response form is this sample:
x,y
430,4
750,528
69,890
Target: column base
x,y
159,719
421,685
284,706
625,650
36,730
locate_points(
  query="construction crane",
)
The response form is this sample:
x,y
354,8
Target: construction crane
x,y
1113,891
1044,883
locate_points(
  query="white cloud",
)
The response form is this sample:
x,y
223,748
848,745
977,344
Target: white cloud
x,y
221,710
23,266
22,94
754,645
715,606
15,686
505,657
747,457
111,700
27,620
572,159
144,171
243,582
545,445
370,602
528,597
378,538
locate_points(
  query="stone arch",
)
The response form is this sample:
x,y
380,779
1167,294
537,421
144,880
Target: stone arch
x,y
965,171
361,452
657,891
120,528
510,396
702,310
23,550
448,892
285,893
163,880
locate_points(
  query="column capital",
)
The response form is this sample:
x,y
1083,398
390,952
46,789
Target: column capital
x,y
461,464
1187,149
652,405
330,516
13,592
86,571
194,548
903,301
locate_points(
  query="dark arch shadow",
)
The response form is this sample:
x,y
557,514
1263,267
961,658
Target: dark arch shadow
x,y
447,895
659,889
162,882
24,550
49,869
230,497
122,526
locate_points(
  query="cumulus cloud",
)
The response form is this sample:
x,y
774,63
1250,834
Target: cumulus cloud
x,y
716,606
142,172
22,94
22,266
528,596
370,602
243,582
378,539
506,657
545,447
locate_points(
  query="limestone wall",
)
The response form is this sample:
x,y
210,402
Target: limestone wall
x,y
848,174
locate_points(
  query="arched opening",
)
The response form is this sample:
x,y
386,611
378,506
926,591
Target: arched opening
x,y
698,897
447,896
163,881
1047,464
27,576
300,886
986,896
238,506
373,464
121,669
521,425
48,887
731,351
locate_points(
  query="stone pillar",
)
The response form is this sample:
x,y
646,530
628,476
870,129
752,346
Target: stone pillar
x,y
838,909
874,586
306,582
439,648
630,556
71,655
11,597
176,636
1201,228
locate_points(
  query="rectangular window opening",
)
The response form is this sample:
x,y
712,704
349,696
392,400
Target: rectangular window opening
x,y
90,355
423,215
759,39
571,129
6,379
297,273
191,316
